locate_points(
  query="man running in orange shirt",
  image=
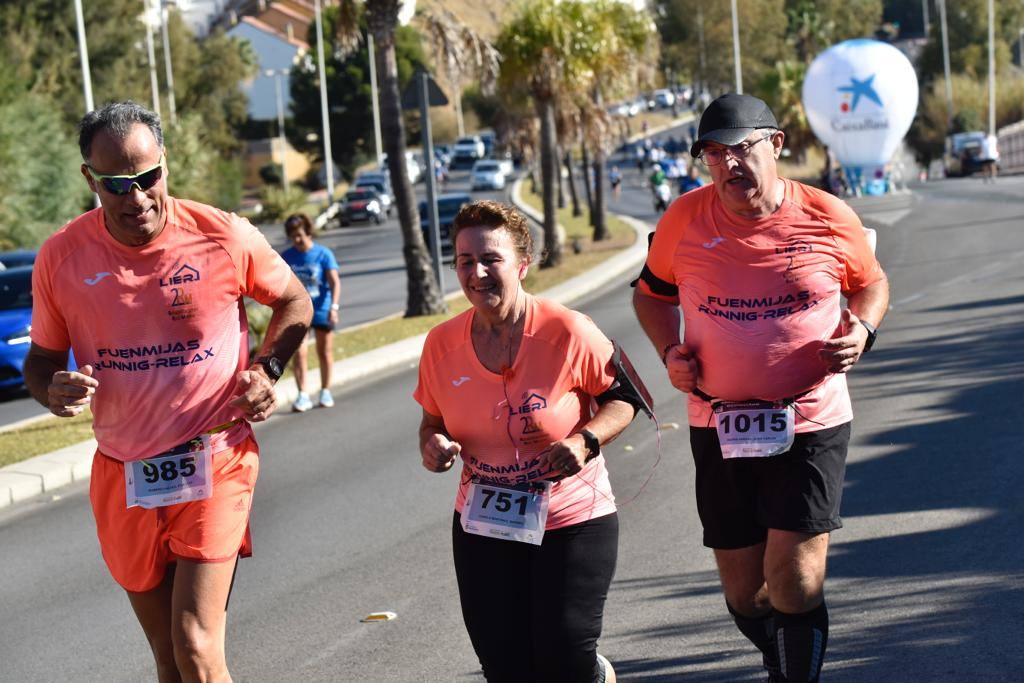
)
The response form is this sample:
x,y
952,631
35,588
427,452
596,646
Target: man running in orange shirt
x,y
758,264
147,292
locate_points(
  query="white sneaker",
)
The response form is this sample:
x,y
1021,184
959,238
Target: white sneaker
x,y
302,403
326,400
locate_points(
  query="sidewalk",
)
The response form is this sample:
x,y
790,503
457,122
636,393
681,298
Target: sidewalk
x,y
50,471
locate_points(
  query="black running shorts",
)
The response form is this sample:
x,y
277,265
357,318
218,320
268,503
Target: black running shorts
x,y
739,499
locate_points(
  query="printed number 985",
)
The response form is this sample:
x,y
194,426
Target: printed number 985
x,y
170,470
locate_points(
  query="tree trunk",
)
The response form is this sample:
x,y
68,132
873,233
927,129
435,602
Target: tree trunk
x,y
585,166
567,160
599,217
424,297
558,176
548,175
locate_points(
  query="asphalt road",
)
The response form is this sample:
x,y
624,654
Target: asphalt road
x,y
926,579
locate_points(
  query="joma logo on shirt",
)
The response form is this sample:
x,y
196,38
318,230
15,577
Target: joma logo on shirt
x,y
179,277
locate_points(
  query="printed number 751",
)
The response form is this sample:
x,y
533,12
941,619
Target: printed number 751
x,y
503,501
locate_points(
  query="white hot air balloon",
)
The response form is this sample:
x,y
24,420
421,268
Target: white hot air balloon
x,y
860,97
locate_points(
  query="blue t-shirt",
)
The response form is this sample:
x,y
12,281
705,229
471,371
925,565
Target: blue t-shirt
x,y
311,268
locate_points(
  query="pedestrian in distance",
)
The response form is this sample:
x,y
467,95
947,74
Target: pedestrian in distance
x,y
147,291
691,181
615,179
758,264
317,269
507,387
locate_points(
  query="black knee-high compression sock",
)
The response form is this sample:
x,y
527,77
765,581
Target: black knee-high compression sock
x,y
761,632
800,640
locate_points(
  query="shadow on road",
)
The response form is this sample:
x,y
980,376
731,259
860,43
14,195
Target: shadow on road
x,y
950,483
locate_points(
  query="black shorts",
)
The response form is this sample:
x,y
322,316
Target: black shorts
x,y
739,499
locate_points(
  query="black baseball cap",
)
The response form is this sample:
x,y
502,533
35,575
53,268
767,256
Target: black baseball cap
x,y
729,119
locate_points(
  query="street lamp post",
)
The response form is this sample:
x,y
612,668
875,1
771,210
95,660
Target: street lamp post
x,y
945,64
154,85
276,75
736,49
164,14
83,54
373,95
991,69
328,160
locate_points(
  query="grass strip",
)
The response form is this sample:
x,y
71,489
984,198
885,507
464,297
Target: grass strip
x,y
43,436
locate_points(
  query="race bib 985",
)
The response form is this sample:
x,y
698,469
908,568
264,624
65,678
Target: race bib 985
x,y
180,475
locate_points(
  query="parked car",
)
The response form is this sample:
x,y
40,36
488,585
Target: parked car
x,y
468,150
664,98
508,165
15,323
964,153
412,167
362,204
18,257
448,206
489,139
487,174
380,183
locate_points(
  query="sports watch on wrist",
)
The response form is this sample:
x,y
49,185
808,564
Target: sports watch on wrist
x,y
592,443
872,335
272,366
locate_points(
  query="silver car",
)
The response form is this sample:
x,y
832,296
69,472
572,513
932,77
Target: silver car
x,y
487,174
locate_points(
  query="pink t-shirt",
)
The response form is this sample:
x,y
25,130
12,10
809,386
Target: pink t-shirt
x,y
162,324
760,296
562,362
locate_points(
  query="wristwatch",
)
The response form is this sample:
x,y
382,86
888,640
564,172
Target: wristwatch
x,y
271,365
872,335
592,444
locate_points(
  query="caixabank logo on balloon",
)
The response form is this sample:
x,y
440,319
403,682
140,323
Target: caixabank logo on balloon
x,y
860,93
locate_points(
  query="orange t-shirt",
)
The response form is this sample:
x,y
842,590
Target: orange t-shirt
x,y
760,296
563,361
162,324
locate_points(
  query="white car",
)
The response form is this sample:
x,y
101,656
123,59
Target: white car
x,y
412,167
471,147
664,97
487,174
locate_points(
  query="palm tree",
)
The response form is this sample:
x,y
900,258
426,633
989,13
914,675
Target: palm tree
x,y
540,59
463,52
622,47
423,295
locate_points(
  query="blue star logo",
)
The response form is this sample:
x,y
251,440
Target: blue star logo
x,y
858,88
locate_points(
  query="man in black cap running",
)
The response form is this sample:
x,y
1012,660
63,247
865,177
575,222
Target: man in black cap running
x,y
758,265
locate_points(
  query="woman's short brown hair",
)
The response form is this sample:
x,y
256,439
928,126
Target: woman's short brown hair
x,y
296,221
490,214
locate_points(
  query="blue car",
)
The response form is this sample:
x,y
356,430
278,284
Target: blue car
x,y
448,206
15,323
18,257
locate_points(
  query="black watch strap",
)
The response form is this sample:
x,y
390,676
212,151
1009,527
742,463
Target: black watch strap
x,y
272,366
872,335
592,443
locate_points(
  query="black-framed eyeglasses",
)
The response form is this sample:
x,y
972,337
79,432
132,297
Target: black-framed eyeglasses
x,y
715,156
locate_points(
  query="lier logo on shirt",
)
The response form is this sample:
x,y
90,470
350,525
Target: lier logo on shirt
x,y
181,305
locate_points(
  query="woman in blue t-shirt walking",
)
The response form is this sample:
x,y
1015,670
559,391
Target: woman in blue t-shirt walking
x,y
317,269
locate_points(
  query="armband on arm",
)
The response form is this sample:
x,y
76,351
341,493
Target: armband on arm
x,y
627,386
